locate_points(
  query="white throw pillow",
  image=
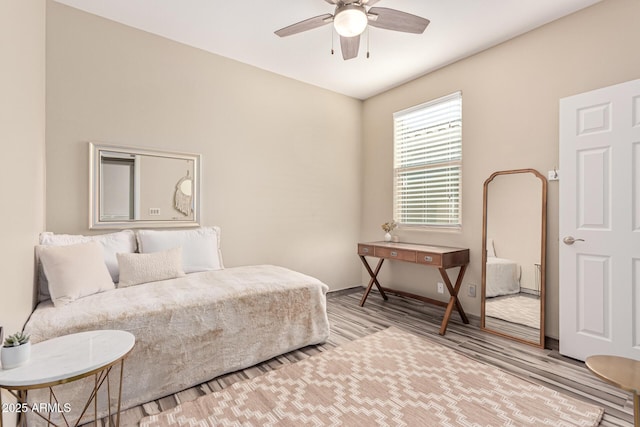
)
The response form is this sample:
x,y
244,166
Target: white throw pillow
x,y
200,247
143,268
74,271
112,243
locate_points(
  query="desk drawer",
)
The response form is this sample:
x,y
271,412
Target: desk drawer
x,y
391,253
365,250
429,258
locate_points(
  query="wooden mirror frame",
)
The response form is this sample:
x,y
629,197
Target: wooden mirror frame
x,y
543,247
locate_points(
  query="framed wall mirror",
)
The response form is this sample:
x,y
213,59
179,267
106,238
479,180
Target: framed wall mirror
x,y
513,255
136,187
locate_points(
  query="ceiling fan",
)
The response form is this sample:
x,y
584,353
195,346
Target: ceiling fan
x,y
351,18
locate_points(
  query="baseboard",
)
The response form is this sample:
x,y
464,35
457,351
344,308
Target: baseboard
x,y
344,291
551,343
529,291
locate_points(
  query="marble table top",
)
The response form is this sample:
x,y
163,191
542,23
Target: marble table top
x,y
67,357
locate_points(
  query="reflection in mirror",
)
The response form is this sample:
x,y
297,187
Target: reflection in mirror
x,y
514,241
183,197
133,187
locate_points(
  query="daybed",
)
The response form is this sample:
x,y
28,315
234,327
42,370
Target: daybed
x,y
503,277
502,274
191,329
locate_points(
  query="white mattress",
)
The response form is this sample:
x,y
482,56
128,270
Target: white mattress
x,y
191,329
503,277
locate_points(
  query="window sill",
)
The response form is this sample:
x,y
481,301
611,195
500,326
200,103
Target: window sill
x,y
431,228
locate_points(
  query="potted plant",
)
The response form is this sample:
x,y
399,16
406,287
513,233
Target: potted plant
x,y
15,350
389,227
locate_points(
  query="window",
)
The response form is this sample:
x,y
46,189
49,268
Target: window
x,y
428,163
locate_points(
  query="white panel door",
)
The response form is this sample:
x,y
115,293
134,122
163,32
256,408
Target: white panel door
x,y
600,222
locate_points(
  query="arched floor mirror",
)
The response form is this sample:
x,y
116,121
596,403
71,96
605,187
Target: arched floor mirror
x,y
513,255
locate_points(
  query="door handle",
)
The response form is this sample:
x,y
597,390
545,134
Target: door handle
x,y
569,240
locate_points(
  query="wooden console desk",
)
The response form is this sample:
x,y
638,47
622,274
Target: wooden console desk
x,y
441,257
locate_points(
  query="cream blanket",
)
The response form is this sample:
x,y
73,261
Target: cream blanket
x,y
191,329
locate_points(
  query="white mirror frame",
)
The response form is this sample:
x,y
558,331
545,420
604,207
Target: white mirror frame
x,y
94,188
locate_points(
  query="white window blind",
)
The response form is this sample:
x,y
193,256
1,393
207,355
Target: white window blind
x,y
428,163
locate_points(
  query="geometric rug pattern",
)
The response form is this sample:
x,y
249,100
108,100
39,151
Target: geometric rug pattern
x,y
522,309
389,378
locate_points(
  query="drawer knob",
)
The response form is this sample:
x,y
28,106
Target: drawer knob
x,y
394,253
365,250
428,258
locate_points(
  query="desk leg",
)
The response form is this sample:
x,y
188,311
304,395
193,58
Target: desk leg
x,y
374,279
453,300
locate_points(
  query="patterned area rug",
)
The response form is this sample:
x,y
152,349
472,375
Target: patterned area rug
x,y
522,309
390,378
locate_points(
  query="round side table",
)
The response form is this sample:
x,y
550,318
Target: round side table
x,y
621,372
65,359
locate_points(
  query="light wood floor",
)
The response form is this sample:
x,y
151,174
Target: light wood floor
x,y
349,322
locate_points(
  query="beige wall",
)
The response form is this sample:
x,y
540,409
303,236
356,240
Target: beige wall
x,y
158,179
280,158
510,121
22,128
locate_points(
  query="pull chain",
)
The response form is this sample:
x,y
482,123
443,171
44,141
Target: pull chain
x,y
367,42
332,40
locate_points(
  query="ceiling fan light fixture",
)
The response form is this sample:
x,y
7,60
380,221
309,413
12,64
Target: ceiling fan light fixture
x,y
350,20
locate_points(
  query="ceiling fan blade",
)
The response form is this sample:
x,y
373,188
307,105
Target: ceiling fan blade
x,y
368,2
331,1
349,46
307,24
391,19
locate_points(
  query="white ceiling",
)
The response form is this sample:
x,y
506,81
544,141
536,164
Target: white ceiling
x,y
243,30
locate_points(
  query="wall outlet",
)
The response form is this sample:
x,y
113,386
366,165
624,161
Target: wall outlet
x,y
472,291
440,288
154,211
553,175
